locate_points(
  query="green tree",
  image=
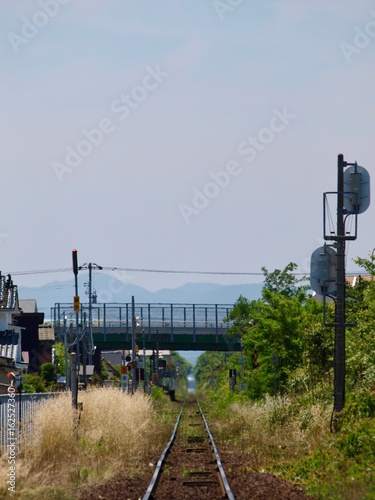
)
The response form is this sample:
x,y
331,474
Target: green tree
x,y
272,325
283,281
241,317
60,358
209,365
360,339
183,365
47,373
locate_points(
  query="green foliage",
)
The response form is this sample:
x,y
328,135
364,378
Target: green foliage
x,y
360,339
47,373
285,322
208,366
60,358
33,383
367,264
241,317
158,394
283,282
181,364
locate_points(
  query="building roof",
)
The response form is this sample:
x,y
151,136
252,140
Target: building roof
x,y
9,345
6,362
8,293
353,279
28,306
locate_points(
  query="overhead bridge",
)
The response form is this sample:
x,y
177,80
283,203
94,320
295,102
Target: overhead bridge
x,y
178,327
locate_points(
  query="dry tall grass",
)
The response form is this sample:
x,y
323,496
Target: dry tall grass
x,y
115,432
276,426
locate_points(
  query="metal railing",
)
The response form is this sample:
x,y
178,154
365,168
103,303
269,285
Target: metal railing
x,y
149,316
21,409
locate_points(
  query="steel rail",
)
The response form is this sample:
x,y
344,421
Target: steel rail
x,y
155,478
224,480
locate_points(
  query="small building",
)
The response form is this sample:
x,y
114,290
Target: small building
x,y
35,351
11,359
353,279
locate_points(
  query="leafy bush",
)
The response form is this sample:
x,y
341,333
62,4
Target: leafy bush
x,y
33,383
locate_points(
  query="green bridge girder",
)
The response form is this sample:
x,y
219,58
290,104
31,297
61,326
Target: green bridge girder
x,y
166,341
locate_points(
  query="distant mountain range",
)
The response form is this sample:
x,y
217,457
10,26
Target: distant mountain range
x,y
109,289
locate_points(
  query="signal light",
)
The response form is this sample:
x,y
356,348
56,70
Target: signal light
x,y
75,262
76,305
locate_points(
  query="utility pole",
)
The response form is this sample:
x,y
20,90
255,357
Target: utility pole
x,y
340,317
88,345
75,362
133,360
67,385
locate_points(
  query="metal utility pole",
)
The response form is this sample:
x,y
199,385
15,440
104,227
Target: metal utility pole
x,y
66,354
133,360
73,378
75,361
340,318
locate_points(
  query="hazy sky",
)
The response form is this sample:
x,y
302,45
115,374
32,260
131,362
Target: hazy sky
x,y
184,135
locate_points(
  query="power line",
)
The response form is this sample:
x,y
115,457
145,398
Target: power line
x,y
41,271
160,271
170,271
139,270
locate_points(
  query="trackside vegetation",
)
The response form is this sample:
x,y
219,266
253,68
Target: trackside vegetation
x,y
280,410
115,433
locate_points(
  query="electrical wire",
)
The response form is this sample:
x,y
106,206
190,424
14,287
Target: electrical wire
x,y
160,271
139,270
41,271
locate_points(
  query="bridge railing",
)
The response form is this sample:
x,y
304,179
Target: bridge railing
x,y
150,316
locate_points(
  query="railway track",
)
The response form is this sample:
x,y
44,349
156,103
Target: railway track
x,y
190,466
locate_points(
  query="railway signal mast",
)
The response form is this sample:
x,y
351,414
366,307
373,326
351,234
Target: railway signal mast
x,y
75,356
327,274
